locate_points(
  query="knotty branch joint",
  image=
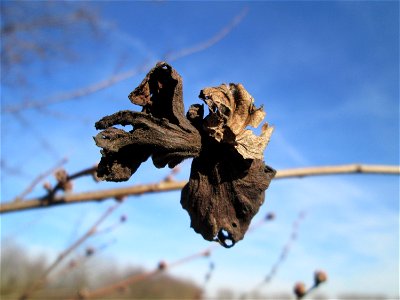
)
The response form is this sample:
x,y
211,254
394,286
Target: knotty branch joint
x,y
228,177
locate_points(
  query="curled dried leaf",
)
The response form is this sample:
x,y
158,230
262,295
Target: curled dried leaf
x,y
231,111
160,130
228,177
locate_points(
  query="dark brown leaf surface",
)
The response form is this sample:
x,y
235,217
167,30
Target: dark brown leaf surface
x,y
160,130
228,176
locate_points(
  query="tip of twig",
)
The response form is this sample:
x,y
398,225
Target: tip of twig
x,y
320,277
162,265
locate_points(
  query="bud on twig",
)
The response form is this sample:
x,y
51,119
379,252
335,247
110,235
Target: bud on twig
x,y
61,175
270,216
63,180
162,265
89,251
300,290
319,277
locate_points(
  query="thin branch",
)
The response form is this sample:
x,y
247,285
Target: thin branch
x,y
122,284
103,84
75,263
42,280
92,196
340,169
284,253
162,266
164,186
76,94
38,135
210,42
84,172
12,170
38,179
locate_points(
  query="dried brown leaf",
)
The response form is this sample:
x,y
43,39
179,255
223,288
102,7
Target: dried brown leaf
x,y
231,111
228,176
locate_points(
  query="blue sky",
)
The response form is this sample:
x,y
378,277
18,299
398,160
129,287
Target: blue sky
x,y
327,74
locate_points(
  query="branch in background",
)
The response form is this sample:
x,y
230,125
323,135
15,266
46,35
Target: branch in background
x,y
210,42
284,253
48,146
123,284
65,180
178,185
43,279
79,93
103,84
38,179
76,262
162,266
211,267
12,170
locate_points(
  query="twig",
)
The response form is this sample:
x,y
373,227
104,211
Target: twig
x,y
120,285
84,172
42,280
103,84
340,169
210,42
91,196
162,266
101,195
74,263
38,179
38,135
300,289
11,170
284,253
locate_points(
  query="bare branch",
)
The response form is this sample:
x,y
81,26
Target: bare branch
x,y
59,186
38,179
162,266
103,84
210,42
340,169
178,185
48,146
121,285
42,280
82,92
284,253
91,196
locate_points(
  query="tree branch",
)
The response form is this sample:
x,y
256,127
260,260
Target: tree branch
x,y
162,266
177,185
42,280
37,180
106,83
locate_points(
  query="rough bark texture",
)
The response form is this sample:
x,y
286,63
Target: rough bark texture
x,y
228,176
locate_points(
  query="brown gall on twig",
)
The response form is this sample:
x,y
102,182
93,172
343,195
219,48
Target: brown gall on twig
x,y
228,176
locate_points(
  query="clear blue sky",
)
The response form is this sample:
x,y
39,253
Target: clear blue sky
x,y
327,74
